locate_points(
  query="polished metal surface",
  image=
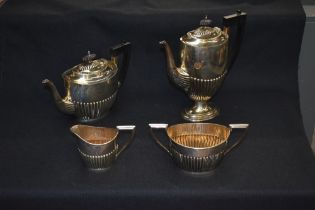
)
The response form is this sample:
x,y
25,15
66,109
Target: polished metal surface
x,y
92,86
198,147
98,146
99,161
205,59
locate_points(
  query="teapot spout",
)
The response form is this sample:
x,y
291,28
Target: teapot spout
x,y
177,75
64,104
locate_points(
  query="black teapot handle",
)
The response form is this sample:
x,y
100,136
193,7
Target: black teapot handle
x,y
239,20
115,52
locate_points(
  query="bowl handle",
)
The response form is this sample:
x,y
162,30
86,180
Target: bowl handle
x,y
159,126
131,128
240,138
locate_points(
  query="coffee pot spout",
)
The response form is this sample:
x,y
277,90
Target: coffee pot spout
x,y
65,104
177,75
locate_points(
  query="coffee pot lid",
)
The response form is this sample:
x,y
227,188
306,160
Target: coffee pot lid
x,y
205,35
91,70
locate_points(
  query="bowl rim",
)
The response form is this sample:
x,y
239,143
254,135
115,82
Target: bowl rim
x,y
199,148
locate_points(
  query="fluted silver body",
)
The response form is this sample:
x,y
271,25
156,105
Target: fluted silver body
x,y
93,101
206,56
198,147
196,164
99,161
98,146
92,86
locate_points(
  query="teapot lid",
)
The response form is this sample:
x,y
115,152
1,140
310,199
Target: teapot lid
x,y
205,35
91,70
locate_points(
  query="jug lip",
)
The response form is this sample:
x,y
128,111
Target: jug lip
x,y
228,128
94,127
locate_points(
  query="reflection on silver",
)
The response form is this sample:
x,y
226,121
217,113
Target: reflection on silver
x,y
198,147
206,56
92,86
98,146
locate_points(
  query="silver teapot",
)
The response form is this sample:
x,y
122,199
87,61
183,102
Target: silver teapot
x,y
91,87
206,56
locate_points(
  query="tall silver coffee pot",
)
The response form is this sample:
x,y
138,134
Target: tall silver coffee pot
x,y
206,55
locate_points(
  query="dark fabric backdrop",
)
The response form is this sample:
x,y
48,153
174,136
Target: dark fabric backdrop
x,y
39,166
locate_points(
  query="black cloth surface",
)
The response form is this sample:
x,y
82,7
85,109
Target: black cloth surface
x,y
274,168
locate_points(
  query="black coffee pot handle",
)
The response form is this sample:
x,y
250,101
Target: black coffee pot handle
x,y
124,49
239,20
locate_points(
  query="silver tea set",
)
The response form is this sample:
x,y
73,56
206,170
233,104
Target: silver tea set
x,y
206,55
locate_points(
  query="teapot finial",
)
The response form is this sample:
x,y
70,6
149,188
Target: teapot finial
x,y
205,21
